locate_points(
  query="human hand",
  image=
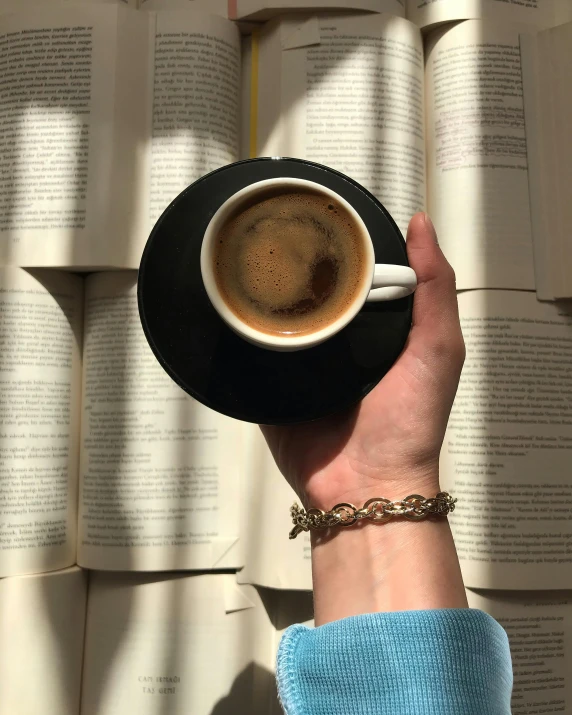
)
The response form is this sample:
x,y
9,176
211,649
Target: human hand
x,y
388,446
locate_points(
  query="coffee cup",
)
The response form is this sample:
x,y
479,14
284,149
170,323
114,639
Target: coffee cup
x,y
368,281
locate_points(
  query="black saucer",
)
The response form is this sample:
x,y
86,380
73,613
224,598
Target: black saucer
x,y
221,370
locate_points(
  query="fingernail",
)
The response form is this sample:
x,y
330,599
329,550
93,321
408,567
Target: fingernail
x,y
431,227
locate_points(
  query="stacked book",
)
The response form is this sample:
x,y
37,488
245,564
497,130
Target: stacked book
x,y
145,564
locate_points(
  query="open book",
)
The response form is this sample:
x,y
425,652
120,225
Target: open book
x,y
422,12
506,457
137,643
507,451
116,111
143,103
468,169
159,474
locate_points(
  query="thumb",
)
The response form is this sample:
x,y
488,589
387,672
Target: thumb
x,y
436,325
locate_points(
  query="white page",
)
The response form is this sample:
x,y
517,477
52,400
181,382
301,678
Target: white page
x,y
263,9
217,7
41,643
57,138
271,558
347,91
476,155
539,131
547,64
541,13
196,92
16,5
40,388
177,645
159,474
245,96
506,454
539,627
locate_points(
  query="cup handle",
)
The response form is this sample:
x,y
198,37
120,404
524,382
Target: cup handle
x,y
391,282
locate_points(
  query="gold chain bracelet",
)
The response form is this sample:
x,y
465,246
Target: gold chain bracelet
x,y
414,507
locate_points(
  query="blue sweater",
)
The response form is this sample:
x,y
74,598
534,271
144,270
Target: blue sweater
x,y
442,662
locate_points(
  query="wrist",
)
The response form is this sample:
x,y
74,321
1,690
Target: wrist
x,y
324,491
395,566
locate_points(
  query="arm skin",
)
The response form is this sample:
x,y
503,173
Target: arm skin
x,y
387,447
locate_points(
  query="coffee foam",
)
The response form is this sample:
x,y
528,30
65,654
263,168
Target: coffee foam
x,y
290,263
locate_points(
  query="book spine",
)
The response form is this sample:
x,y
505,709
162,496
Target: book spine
x,y
254,95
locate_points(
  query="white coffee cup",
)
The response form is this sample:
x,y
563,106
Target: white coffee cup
x,y
386,281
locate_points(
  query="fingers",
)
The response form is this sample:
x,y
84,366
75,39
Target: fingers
x,y
435,311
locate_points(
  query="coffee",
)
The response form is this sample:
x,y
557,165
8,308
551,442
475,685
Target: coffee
x,y
290,263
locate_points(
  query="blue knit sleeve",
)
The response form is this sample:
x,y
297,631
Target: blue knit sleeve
x,y
441,662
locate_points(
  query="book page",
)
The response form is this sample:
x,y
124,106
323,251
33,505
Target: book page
x,y
245,96
347,91
216,7
196,91
16,5
506,454
539,128
159,474
547,66
126,211
40,388
264,9
476,155
177,645
271,558
58,139
541,13
539,628
42,622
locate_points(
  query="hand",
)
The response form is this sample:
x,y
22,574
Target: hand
x,y
388,446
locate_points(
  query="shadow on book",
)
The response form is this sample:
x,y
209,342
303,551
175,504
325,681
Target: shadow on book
x,y
253,691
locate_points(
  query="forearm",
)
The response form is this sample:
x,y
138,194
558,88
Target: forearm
x,y
414,646
395,566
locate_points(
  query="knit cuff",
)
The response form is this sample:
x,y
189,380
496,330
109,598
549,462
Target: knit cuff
x,y
440,662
